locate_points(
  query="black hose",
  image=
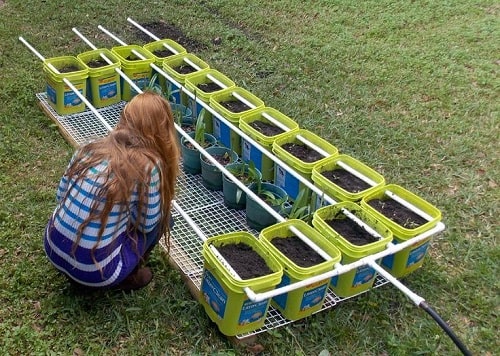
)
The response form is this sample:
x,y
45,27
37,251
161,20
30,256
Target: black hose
x,y
445,327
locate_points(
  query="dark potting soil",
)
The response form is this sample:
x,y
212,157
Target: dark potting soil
x,y
184,69
235,106
244,260
266,128
209,87
351,231
188,127
223,159
132,58
346,180
302,152
96,63
297,251
68,69
397,213
162,53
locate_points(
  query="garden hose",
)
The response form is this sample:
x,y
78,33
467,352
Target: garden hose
x,y
445,327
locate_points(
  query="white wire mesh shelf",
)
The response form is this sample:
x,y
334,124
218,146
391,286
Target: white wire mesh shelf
x,y
206,208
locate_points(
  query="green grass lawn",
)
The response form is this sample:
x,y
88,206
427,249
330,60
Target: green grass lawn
x,y
410,88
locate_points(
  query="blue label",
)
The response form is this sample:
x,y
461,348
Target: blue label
x,y
214,294
251,153
417,254
222,132
281,299
72,99
364,274
175,93
252,311
108,89
51,94
286,181
313,297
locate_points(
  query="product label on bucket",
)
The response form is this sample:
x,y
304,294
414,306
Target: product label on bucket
x,y
251,153
108,88
71,98
214,294
252,311
313,295
417,254
364,274
286,181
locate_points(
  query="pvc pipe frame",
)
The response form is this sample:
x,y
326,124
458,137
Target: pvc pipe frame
x,y
340,269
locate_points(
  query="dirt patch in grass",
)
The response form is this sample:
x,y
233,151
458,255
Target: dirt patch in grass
x,y
165,30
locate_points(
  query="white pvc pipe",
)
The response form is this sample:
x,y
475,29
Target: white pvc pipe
x,y
69,84
118,70
341,269
415,298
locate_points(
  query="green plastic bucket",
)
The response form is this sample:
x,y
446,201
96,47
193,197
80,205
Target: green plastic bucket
x,y
175,67
103,87
360,279
252,153
161,50
224,134
337,192
223,295
411,258
138,70
60,96
307,300
286,180
204,87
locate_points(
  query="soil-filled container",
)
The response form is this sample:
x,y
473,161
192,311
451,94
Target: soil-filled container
x,y
299,262
340,184
191,162
161,50
301,157
223,295
180,67
60,96
404,224
353,241
257,217
103,84
234,197
260,127
137,69
229,105
205,85
211,176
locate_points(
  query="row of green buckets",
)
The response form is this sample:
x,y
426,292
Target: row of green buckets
x,y
224,297
105,87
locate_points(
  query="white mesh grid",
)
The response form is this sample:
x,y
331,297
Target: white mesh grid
x,y
206,208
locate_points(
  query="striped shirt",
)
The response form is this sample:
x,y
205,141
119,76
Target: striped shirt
x,y
116,253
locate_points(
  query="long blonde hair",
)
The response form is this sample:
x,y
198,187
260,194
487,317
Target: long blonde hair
x,y
145,137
